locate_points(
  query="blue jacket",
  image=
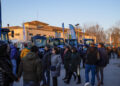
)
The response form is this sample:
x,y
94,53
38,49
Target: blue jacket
x,y
13,52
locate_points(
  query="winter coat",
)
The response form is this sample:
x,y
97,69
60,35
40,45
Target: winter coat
x,y
92,56
56,62
75,61
46,60
31,67
103,57
13,52
67,59
24,52
6,75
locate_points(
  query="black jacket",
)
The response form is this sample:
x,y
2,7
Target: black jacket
x,y
92,56
6,75
74,61
46,60
31,67
103,57
67,59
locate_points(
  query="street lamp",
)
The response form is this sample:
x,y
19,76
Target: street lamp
x,y
77,26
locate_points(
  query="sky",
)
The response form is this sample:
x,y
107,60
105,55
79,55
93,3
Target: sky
x,y
54,12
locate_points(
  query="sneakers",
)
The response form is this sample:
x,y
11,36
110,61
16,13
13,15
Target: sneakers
x,y
87,84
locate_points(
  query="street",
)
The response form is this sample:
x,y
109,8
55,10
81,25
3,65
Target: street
x,y
111,76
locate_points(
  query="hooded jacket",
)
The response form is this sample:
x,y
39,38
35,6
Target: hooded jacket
x,y
31,67
24,52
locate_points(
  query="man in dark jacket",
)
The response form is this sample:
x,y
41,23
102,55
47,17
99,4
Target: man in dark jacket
x,y
102,62
91,61
31,67
6,76
46,62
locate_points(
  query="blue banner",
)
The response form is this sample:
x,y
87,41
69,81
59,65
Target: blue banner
x,y
63,27
72,30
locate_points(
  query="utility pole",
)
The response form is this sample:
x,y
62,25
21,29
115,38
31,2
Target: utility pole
x,y
0,19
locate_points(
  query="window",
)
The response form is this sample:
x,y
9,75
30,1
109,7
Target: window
x,y
30,34
38,34
17,34
30,28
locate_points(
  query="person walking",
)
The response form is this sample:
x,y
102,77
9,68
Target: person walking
x,y
74,66
109,51
56,62
118,51
103,61
91,61
67,54
31,68
6,75
84,55
114,52
46,62
13,57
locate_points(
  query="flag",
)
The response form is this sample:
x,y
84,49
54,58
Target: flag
x,y
72,30
63,27
24,37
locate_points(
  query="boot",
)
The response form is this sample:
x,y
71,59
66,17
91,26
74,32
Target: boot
x,y
99,83
79,80
67,81
64,78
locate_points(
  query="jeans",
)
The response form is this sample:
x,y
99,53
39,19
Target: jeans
x,y
14,65
31,83
89,68
46,77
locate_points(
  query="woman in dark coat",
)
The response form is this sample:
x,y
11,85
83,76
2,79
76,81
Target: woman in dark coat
x,y
74,65
67,54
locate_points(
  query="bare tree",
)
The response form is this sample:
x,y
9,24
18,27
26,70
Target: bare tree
x,y
97,31
114,34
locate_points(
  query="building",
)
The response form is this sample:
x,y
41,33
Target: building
x,y
43,29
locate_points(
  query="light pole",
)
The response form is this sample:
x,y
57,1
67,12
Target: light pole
x,y
77,27
83,30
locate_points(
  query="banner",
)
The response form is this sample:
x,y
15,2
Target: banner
x,y
72,30
63,27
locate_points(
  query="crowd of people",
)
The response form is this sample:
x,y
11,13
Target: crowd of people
x,y
39,69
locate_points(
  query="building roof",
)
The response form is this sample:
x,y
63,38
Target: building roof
x,y
14,27
36,23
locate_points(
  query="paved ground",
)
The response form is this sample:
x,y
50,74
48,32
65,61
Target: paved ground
x,y
111,76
